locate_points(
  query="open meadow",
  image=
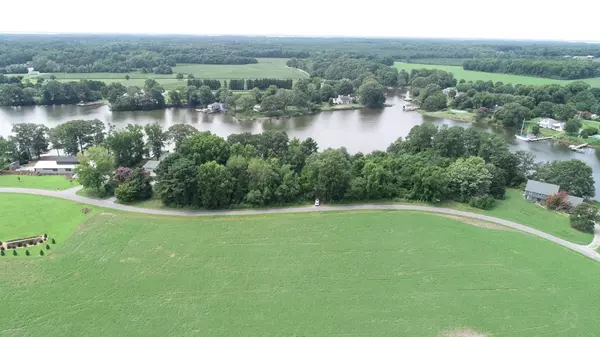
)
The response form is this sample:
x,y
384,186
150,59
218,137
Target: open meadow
x,y
369,273
265,68
460,73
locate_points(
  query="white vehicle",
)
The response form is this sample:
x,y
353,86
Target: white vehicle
x,y
317,203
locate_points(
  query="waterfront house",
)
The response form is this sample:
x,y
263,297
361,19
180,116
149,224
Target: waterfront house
x,y
552,124
217,107
447,91
341,99
54,167
539,191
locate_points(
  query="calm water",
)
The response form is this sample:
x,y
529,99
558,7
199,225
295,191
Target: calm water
x,y
358,130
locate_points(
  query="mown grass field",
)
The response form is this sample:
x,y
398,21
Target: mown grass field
x,y
266,68
319,274
24,215
38,182
460,73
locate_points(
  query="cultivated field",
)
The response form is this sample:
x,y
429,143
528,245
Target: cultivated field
x,y
460,73
266,68
318,274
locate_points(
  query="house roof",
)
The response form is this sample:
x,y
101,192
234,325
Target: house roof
x,y
52,164
541,188
151,164
67,160
549,120
574,201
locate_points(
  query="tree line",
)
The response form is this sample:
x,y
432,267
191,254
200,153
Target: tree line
x,y
506,103
15,92
564,69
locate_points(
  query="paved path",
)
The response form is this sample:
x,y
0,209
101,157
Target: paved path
x,y
596,242
70,195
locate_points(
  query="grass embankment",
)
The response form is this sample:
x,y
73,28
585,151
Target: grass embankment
x,y
460,73
265,68
37,182
319,274
29,215
455,115
293,111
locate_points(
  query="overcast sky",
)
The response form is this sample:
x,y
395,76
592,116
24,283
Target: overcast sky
x,y
508,19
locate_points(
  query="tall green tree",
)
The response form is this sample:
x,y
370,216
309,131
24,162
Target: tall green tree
x,y
95,167
157,139
178,132
204,147
573,176
127,145
327,175
371,94
177,181
468,177
215,185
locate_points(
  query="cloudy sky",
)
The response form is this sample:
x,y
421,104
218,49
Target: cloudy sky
x,y
511,19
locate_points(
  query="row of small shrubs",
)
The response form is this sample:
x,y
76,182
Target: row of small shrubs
x,y
27,253
19,173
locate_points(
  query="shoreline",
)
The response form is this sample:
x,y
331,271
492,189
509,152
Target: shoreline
x,y
245,116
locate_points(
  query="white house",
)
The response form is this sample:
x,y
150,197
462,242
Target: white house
x,y
552,124
32,72
53,167
341,99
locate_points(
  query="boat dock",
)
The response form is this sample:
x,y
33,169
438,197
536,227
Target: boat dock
x,y
578,148
532,139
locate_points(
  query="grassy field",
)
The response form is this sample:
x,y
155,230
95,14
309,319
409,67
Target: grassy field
x,y
460,73
266,68
30,215
320,274
440,61
452,115
39,182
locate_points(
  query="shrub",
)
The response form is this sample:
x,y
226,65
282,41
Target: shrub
x,y
126,192
15,252
483,202
27,252
558,201
47,247
2,253
41,252
53,241
584,217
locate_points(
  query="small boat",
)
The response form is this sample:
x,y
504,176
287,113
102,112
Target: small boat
x,y
523,135
82,103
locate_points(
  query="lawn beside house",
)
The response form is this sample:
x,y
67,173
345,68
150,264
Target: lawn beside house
x,y
54,182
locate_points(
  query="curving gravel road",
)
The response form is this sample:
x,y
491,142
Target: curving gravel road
x,y
69,194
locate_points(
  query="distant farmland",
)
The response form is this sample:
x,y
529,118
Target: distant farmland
x,y
460,73
266,68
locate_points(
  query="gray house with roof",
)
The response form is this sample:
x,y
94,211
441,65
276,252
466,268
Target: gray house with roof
x,y
539,191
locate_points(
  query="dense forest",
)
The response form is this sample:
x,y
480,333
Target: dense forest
x,y
564,69
123,53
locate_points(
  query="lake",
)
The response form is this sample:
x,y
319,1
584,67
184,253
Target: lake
x,y
362,130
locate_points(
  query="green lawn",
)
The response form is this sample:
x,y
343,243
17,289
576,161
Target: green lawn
x,y
516,208
38,182
318,274
452,115
266,68
460,73
29,215
91,193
